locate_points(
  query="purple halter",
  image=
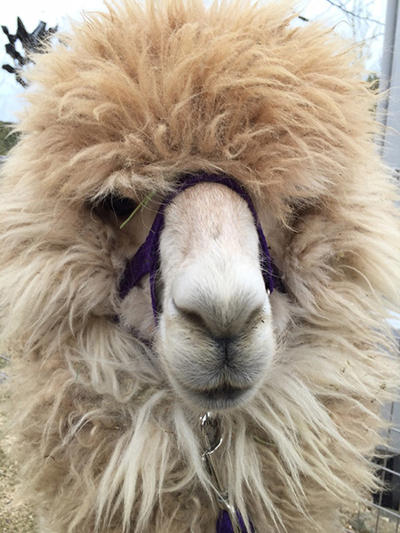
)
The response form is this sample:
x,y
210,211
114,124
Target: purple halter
x,y
147,258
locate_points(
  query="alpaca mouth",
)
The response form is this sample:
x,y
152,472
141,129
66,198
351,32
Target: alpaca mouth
x,y
221,397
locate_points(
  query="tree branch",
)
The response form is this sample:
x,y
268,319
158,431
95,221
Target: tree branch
x,y
352,14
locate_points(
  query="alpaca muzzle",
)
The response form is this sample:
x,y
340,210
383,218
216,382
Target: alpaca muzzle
x,y
146,261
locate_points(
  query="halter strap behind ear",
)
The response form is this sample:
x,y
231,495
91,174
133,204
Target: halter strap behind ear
x,y
147,258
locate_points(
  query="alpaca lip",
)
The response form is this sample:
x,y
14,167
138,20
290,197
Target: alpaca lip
x,y
221,397
224,392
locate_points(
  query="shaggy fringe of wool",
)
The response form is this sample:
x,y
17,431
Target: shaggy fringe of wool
x,y
132,99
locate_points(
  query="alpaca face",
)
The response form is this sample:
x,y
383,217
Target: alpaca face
x,y
215,338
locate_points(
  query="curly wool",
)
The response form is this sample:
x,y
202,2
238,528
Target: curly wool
x,y
138,96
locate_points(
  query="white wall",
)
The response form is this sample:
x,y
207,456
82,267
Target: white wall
x,y
389,110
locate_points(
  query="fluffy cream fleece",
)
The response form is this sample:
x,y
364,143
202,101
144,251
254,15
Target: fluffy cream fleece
x,y
128,102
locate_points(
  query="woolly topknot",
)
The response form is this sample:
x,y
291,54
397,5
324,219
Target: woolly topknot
x,y
160,88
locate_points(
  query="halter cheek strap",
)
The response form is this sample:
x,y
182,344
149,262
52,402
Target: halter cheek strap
x,y
147,258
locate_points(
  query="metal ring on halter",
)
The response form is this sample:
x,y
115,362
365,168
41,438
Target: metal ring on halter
x,y
209,419
210,422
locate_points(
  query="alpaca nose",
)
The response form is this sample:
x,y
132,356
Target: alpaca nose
x,y
224,304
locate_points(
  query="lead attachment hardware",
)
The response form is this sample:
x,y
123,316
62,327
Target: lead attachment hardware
x,y
210,427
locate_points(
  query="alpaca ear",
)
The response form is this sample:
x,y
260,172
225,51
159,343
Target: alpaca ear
x,y
114,205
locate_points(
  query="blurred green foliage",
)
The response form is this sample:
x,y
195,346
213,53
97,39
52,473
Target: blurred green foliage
x,y
373,81
7,137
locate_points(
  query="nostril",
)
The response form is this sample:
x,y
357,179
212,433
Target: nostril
x,y
255,315
219,325
192,316
223,343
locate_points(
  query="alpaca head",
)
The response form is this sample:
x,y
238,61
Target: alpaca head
x,y
136,99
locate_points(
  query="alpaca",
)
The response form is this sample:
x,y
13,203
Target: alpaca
x,y
274,353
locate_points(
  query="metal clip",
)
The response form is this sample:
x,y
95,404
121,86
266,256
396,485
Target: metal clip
x,y
210,427
210,424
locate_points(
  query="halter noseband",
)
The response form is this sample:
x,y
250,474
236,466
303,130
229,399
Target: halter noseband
x,y
147,258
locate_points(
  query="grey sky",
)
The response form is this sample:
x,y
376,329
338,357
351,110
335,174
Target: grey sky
x,y
60,11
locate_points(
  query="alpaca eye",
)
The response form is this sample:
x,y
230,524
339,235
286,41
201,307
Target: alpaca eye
x,y
119,207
